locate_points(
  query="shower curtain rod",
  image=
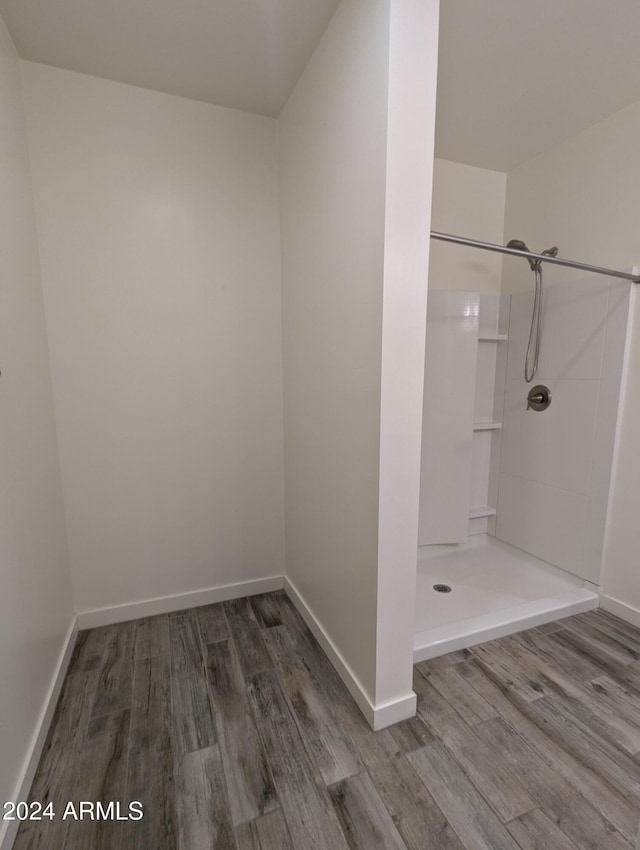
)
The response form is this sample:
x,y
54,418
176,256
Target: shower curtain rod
x,y
543,258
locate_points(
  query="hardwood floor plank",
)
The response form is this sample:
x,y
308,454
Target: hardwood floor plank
x,y
456,657
534,831
247,635
576,668
600,616
482,765
251,790
592,651
622,632
585,701
267,609
411,734
619,770
184,641
151,705
473,820
89,649
268,832
305,801
289,615
605,639
34,835
617,698
549,628
566,808
604,722
204,821
115,675
418,819
467,701
365,821
523,681
329,747
592,783
55,778
193,726
213,623
563,753
70,721
101,776
150,777
151,636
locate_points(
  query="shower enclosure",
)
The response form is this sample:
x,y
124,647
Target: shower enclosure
x,y
513,495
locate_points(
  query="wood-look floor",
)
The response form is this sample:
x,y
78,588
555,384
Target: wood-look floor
x,y
231,727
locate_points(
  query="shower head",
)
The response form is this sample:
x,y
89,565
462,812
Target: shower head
x,y
519,245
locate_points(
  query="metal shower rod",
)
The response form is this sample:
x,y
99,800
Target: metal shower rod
x,y
543,258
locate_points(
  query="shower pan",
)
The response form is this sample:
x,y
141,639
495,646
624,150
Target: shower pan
x,y
514,500
496,589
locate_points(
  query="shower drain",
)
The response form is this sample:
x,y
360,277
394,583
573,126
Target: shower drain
x,y
442,588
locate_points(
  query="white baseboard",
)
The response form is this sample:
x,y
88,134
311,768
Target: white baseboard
x,y
620,609
378,716
9,829
166,604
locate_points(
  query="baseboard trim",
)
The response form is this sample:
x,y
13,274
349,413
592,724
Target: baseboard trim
x,y
620,609
378,716
394,711
9,829
166,604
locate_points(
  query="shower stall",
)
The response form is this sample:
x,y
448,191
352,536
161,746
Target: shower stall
x,y
515,478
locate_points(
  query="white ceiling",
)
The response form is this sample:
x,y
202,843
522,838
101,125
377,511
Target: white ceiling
x,y
246,54
515,77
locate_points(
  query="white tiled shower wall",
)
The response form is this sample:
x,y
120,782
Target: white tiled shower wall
x,y
555,465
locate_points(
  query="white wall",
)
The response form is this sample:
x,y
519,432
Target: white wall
x,y
582,196
159,235
356,148
467,201
333,149
413,68
555,465
36,610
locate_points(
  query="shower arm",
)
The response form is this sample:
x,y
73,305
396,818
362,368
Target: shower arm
x,y
529,255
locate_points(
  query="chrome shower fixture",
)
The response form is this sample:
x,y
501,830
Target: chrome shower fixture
x,y
533,348
519,245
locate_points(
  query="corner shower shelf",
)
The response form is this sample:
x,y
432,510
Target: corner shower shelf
x,y
492,337
485,510
487,426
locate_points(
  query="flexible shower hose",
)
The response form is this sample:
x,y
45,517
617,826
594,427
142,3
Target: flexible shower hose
x,y
533,349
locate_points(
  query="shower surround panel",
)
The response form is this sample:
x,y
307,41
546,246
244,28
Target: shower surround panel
x,y
555,465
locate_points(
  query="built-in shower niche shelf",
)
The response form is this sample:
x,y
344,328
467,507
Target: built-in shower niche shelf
x,y
464,387
482,511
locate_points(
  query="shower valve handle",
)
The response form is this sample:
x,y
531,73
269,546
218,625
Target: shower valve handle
x,y
539,398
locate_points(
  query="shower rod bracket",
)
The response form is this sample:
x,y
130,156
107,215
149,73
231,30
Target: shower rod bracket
x,y
529,255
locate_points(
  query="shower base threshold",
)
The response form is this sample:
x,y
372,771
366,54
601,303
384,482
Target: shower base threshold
x,y
496,590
